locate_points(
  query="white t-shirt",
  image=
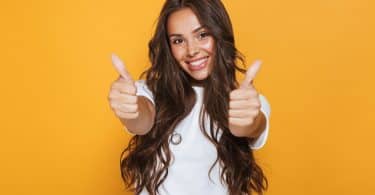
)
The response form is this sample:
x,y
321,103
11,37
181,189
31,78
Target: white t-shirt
x,y
195,154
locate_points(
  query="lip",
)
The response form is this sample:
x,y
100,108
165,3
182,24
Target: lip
x,y
194,60
199,66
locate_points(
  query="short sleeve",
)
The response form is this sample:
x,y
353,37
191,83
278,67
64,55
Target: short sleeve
x,y
143,90
266,110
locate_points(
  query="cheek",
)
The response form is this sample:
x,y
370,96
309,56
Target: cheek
x,y
209,46
177,52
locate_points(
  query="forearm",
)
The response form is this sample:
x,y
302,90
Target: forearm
x,y
145,120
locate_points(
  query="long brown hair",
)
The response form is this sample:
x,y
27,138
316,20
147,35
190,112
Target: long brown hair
x,y
145,162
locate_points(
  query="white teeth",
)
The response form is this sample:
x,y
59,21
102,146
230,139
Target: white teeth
x,y
198,62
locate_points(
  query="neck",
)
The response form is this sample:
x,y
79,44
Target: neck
x,y
198,83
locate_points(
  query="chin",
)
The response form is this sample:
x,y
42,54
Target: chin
x,y
199,76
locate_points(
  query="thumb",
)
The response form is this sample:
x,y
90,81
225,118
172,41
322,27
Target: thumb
x,y
251,73
120,67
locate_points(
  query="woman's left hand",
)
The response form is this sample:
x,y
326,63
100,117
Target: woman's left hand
x,y
244,106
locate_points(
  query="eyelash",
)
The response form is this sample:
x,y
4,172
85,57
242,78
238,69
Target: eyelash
x,y
175,41
201,35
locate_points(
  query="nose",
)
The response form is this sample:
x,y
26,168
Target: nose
x,y
192,49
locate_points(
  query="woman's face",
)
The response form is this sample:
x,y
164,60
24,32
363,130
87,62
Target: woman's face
x,y
191,43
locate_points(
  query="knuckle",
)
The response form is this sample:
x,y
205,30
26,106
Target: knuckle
x,y
232,93
230,112
113,105
231,104
230,120
111,95
115,85
119,114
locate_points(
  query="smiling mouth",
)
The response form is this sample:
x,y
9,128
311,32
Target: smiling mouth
x,y
197,64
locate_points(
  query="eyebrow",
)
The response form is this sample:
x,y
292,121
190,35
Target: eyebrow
x,y
194,31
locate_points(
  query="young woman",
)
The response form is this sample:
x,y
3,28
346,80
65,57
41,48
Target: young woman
x,y
194,125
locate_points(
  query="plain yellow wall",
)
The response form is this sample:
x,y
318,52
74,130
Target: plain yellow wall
x,y
59,136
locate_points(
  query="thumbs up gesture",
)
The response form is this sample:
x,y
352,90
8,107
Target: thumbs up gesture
x,y
244,105
122,96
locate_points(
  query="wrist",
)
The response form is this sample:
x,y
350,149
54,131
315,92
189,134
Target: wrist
x,y
258,126
253,130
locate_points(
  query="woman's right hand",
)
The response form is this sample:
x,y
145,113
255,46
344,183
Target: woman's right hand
x,y
122,95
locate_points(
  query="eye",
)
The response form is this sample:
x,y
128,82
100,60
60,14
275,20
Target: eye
x,y
203,34
177,41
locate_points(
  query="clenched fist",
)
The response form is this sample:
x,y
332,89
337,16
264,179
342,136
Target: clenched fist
x,y
244,106
122,95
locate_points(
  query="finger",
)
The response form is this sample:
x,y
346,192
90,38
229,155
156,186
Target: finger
x,y
240,121
240,94
245,104
120,67
126,115
128,108
123,98
243,114
239,104
128,88
238,113
251,73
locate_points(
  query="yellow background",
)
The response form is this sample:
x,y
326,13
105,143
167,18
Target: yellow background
x,y
59,135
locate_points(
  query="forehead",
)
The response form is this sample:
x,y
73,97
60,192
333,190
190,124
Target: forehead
x,y
183,21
